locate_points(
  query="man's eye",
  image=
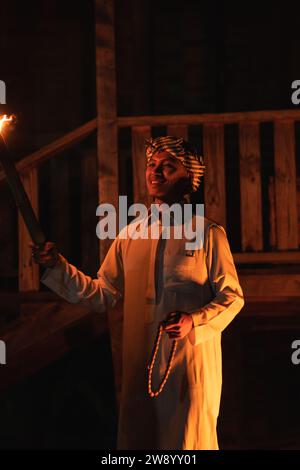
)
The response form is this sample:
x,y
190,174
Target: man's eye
x,y
168,165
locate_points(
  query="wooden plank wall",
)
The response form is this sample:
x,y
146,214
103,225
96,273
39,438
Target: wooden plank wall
x,y
60,202
179,131
89,199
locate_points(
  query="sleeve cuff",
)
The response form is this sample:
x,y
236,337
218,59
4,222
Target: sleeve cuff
x,y
54,278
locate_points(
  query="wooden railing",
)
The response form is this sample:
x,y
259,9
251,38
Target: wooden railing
x,y
283,229
283,222
28,167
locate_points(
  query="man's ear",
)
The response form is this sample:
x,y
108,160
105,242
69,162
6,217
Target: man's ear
x,y
190,182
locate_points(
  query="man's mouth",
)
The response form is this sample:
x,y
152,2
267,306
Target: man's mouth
x,y
157,181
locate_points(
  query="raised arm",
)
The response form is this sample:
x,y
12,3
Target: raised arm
x,y
76,287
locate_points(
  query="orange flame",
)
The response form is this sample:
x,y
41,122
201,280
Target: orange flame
x,y
4,119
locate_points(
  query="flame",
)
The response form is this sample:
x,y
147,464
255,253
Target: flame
x,y
4,119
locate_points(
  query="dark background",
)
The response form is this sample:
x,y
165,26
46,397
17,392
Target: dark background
x,y
173,57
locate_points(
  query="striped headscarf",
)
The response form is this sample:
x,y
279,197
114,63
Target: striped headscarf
x,y
182,151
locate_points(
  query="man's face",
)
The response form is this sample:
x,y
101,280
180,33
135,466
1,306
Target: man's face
x,y
167,179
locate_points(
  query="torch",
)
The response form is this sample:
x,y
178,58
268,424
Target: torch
x,y
17,189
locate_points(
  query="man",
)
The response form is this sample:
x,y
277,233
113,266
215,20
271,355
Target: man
x,y
195,293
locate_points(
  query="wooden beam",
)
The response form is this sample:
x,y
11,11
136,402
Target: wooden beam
x,y
214,179
55,148
194,119
138,136
250,187
279,307
108,182
266,285
272,213
106,108
29,279
282,257
298,205
285,185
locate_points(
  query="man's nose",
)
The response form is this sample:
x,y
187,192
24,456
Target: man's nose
x,y
157,169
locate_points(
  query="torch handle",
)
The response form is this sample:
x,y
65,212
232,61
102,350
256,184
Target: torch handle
x,y
20,196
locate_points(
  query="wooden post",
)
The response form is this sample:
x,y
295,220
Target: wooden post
x,y
107,139
29,279
298,206
285,186
214,179
106,108
272,213
138,135
250,187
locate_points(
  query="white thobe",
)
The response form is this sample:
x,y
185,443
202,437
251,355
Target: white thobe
x,y
155,277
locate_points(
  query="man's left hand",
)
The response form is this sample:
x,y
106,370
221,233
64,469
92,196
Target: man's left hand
x,y
178,324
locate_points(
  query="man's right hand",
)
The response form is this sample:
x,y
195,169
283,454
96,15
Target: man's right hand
x,y
46,254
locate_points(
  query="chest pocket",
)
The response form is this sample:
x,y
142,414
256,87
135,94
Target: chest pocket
x,y
182,272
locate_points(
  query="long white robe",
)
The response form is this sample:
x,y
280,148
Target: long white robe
x,y
155,277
